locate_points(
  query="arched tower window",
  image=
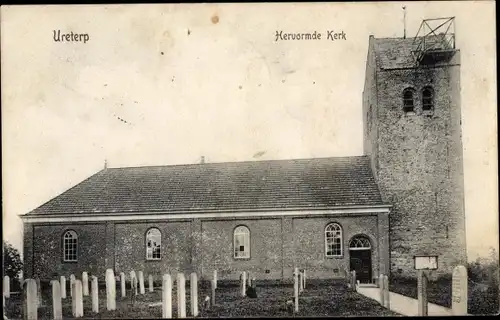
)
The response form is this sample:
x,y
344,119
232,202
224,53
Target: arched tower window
x,y
153,244
241,242
70,246
408,101
333,240
427,99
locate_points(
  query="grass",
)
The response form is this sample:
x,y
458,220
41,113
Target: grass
x,y
321,298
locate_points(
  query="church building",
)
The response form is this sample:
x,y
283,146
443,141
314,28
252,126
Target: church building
x,y
372,213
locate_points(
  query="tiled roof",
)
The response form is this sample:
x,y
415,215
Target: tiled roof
x,y
395,53
275,184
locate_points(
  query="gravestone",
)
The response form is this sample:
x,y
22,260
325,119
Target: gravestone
x,y
6,287
56,300
243,284
459,292
193,293
215,278
304,280
150,280
213,292
123,284
353,279
181,295
31,299
386,292
71,280
39,292
63,287
300,283
73,298
166,296
133,279
381,289
78,297
296,289
85,283
249,280
140,274
95,295
110,290
422,294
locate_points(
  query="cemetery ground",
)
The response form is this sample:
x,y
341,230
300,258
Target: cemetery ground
x,y
320,298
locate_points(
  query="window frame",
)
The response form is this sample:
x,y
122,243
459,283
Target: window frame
x,y
332,238
429,89
246,242
152,258
405,99
64,248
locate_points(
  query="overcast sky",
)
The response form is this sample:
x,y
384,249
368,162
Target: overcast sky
x,y
166,84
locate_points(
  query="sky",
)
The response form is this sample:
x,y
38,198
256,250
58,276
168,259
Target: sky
x,y
167,84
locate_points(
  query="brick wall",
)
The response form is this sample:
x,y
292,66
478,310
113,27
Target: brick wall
x,y
130,247
265,248
47,250
420,165
278,244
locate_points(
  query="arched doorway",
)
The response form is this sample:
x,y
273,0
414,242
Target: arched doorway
x,y
360,258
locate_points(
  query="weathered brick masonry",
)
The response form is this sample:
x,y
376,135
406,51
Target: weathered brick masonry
x,y
417,157
278,244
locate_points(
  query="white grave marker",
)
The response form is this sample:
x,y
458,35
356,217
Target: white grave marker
x,y
193,288
95,295
85,283
122,284
110,290
140,274
166,296
215,278
181,295
63,287
31,299
243,284
78,297
56,300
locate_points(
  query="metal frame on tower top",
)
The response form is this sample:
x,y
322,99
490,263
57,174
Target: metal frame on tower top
x,y
435,40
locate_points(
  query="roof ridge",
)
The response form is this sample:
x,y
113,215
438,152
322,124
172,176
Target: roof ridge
x,y
234,162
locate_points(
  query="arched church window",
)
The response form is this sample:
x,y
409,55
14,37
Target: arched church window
x,y
70,246
408,101
241,241
427,99
333,240
153,244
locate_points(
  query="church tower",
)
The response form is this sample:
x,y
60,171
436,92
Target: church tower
x,y
412,134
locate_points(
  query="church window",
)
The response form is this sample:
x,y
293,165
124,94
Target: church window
x,y
153,244
427,99
70,246
241,242
333,240
408,103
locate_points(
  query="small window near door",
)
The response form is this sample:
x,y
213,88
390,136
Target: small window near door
x,y
359,243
